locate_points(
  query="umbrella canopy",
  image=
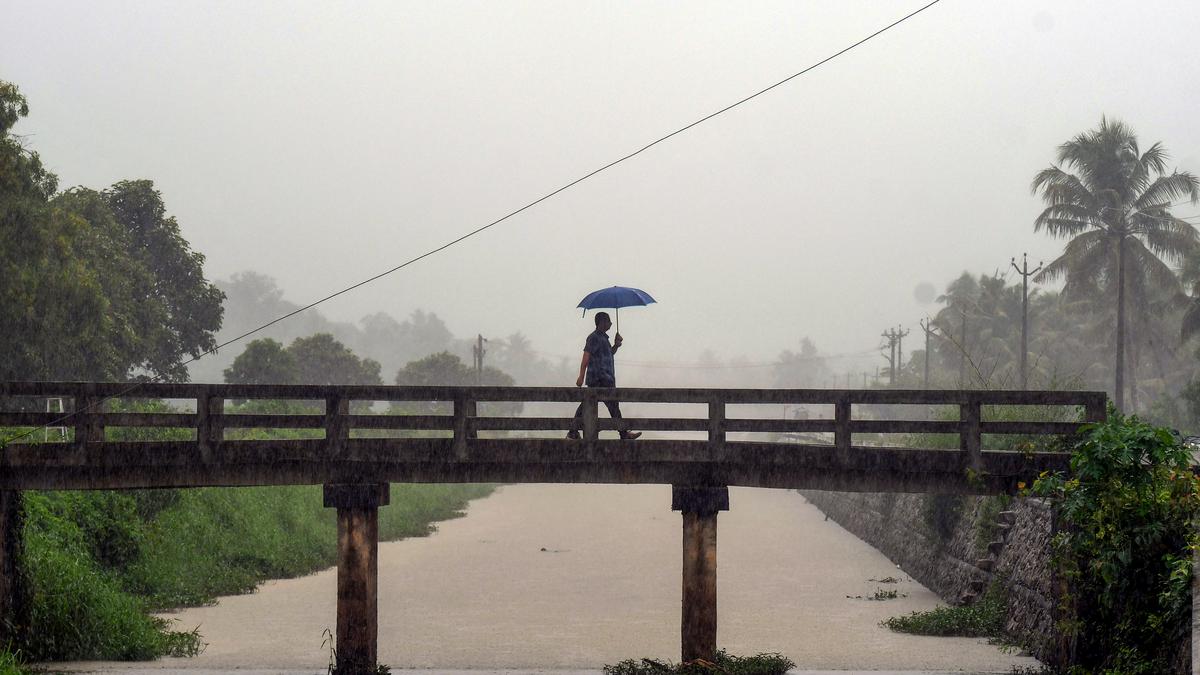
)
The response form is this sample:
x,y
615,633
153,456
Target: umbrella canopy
x,y
615,297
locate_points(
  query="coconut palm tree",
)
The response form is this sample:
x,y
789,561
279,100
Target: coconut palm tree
x,y
1113,203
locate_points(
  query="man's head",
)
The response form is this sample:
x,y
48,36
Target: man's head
x,y
602,321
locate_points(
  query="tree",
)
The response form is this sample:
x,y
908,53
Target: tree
x,y
320,359
175,287
1115,209
804,369
96,285
446,369
263,362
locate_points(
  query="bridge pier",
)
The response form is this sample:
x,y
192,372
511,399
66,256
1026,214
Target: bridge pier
x,y
699,507
357,574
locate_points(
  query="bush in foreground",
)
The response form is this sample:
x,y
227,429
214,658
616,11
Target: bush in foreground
x,y
760,664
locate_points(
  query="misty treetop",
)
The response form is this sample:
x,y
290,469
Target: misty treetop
x,y
1113,202
98,285
316,359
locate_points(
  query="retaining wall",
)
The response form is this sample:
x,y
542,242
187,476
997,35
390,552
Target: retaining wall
x,y
942,541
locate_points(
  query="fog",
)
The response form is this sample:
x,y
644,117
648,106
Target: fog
x,y
319,144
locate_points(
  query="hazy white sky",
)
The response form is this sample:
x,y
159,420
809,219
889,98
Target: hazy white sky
x,y
321,143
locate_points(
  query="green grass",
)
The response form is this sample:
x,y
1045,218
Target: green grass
x,y
96,562
12,662
985,618
77,608
725,664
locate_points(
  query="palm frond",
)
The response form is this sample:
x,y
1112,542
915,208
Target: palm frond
x,y
1190,325
1059,226
1172,239
1146,271
1062,187
1167,189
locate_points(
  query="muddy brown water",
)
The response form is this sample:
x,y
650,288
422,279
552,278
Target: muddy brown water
x,y
577,576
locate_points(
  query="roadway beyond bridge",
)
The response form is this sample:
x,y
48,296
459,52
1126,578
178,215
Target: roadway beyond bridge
x,y
356,439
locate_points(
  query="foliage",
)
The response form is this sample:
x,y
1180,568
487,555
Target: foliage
x,y
225,541
77,608
725,664
446,369
805,368
1130,501
320,359
263,361
941,514
12,662
987,526
98,285
95,562
984,618
1115,210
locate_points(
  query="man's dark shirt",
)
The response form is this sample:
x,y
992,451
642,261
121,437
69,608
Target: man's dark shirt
x,y
601,371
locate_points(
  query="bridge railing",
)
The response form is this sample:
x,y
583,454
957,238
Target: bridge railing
x,y
331,411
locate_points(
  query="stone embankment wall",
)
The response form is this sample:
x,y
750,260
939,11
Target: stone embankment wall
x,y
959,546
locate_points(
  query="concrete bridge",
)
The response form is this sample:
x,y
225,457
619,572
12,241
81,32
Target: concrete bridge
x,y
448,434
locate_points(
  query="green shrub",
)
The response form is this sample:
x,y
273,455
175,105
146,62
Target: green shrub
x,y
760,664
96,561
984,618
1129,504
77,609
12,662
941,514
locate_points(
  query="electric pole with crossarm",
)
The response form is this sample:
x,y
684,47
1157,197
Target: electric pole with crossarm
x,y
1025,273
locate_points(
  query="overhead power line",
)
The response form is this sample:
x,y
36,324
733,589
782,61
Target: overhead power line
x,y
526,207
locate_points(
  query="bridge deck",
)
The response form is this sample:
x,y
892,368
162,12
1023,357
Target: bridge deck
x,y
228,437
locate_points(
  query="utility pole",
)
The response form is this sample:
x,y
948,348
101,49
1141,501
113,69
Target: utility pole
x,y
895,338
962,352
479,352
928,327
1023,270
891,356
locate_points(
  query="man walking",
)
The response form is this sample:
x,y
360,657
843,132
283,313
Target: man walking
x,y
600,370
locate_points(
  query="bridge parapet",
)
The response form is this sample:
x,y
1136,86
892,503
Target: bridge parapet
x,y
742,437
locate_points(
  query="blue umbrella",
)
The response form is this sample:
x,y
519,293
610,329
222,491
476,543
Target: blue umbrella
x,y
615,297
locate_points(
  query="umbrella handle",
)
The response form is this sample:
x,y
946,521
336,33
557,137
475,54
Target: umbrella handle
x,y
618,311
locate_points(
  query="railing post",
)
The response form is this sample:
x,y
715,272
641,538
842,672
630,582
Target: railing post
x,y
970,439
88,428
716,424
591,422
698,625
464,410
357,574
1096,409
842,438
209,428
337,425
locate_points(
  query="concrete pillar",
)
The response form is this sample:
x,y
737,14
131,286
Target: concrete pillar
x,y
13,615
699,507
357,574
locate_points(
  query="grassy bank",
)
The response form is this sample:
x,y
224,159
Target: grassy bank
x,y
96,563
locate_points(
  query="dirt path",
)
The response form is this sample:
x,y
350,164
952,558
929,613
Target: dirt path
x,y
576,576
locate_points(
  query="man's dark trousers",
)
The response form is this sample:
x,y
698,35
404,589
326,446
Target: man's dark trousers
x,y
614,411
